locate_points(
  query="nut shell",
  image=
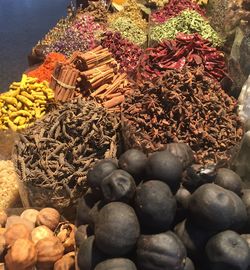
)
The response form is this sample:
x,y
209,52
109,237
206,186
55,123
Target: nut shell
x,y
30,215
67,262
16,231
49,217
21,256
66,233
49,250
40,233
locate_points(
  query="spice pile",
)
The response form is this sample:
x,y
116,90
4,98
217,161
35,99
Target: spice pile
x,y
174,8
125,53
98,11
25,102
9,194
81,35
185,106
185,50
93,74
44,71
188,22
52,157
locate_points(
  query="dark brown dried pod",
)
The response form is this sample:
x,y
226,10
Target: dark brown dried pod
x,y
182,106
70,140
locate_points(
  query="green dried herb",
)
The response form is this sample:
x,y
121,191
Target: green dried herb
x,y
188,22
129,30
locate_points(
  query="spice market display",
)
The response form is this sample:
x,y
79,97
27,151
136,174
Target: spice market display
x,y
126,145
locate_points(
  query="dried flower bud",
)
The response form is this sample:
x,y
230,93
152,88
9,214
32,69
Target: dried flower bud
x,y
49,217
21,256
40,233
66,233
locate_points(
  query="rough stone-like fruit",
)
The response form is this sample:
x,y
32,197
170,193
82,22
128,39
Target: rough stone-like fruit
x,y
155,206
49,217
183,152
189,265
166,167
49,250
100,170
134,162
80,235
115,264
118,186
215,208
89,255
30,215
117,229
12,220
160,251
40,233
227,250
228,179
182,197
16,231
21,256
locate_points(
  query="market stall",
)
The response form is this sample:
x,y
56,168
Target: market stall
x,y
132,125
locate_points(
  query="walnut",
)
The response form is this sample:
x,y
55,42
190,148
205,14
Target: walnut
x,y
17,220
66,233
30,214
49,251
3,218
16,231
21,256
49,217
67,262
40,233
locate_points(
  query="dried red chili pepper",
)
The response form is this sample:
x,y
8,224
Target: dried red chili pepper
x,y
173,8
185,50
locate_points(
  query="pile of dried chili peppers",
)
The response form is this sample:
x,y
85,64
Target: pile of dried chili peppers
x,y
174,8
185,106
125,52
185,50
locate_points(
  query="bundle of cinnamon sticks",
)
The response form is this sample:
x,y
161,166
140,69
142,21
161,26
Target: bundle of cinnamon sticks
x,y
93,74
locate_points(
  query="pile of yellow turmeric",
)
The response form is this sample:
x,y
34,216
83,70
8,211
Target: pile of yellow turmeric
x,y
24,103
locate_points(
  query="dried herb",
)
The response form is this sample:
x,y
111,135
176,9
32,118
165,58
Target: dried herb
x,y
185,50
188,22
125,53
81,35
129,30
53,157
98,11
174,8
183,106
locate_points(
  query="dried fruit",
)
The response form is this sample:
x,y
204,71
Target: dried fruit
x,y
49,250
22,255
3,218
49,217
16,231
12,220
40,233
67,262
30,214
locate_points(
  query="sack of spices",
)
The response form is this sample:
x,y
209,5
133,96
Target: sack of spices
x,y
52,158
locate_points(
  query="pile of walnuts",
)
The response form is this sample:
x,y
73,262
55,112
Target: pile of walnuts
x,y
36,239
